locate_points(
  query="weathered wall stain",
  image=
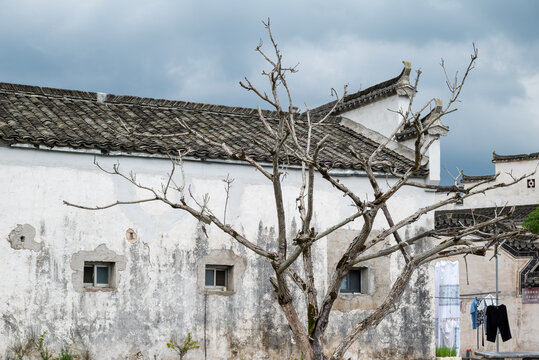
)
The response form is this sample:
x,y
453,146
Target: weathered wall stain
x,y
157,296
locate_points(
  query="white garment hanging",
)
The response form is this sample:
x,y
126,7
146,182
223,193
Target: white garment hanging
x,y
447,304
486,301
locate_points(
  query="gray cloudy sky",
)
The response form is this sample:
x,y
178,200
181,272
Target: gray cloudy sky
x,y
199,50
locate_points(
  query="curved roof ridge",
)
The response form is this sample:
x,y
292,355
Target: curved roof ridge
x,y
514,157
356,99
473,178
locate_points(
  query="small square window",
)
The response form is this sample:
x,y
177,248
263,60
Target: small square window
x,y
97,274
217,276
355,281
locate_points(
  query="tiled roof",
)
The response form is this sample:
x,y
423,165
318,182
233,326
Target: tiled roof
x,y
455,218
436,127
67,118
409,131
473,178
517,157
362,97
524,245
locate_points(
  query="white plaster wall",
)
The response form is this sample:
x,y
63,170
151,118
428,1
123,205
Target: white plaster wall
x,y
434,161
377,115
517,194
157,296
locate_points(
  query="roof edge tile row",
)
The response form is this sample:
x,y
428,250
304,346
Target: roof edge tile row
x,y
516,157
372,93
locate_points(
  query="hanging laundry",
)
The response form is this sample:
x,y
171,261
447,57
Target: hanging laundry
x,y
497,319
473,312
490,300
480,315
482,308
447,304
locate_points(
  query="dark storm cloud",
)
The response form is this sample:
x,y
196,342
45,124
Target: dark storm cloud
x,y
198,51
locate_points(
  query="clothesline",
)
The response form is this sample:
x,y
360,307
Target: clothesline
x,y
480,293
463,297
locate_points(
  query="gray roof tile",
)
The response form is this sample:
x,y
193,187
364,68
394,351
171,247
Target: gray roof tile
x,y
516,157
475,178
56,117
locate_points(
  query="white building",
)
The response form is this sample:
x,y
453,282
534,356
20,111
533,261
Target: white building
x,y
123,281
517,276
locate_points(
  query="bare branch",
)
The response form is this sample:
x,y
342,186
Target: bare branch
x,y
372,320
396,233
103,207
339,225
228,184
249,86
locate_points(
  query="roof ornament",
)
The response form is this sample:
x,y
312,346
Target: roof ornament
x,y
404,88
101,97
437,106
406,72
437,128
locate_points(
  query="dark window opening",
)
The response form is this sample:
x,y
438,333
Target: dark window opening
x,y
355,281
88,274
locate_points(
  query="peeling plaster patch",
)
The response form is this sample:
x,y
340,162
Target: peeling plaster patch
x,y
135,355
100,254
131,235
22,237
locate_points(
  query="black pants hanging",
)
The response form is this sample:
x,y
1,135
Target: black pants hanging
x,y
497,319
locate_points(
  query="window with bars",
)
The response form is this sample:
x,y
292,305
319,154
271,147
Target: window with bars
x,y
97,274
216,276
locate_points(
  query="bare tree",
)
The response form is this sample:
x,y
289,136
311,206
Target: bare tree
x,y
291,136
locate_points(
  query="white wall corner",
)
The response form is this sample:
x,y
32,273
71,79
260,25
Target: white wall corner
x,y
434,159
380,138
380,115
